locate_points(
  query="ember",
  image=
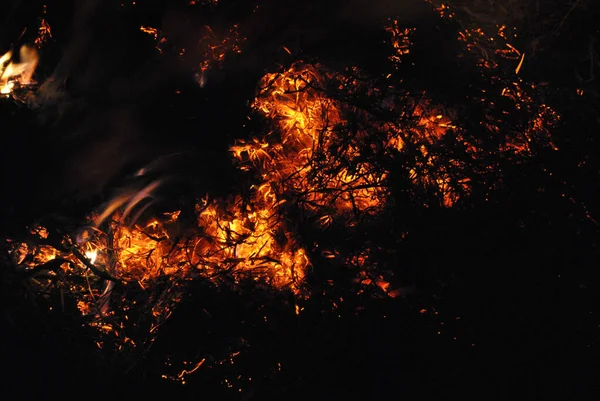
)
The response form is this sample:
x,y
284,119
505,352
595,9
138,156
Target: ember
x,y
343,170
310,159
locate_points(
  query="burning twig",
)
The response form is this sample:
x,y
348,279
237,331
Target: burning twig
x,y
336,143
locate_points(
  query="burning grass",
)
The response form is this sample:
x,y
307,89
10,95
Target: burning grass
x,y
334,143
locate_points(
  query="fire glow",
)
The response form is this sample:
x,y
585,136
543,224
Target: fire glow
x,y
17,74
319,157
14,75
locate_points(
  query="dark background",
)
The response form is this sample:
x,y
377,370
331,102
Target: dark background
x,y
507,290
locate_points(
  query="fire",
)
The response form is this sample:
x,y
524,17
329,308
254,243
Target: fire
x,y
323,157
17,74
92,255
248,238
312,157
251,239
298,156
44,31
244,239
400,40
307,161
150,31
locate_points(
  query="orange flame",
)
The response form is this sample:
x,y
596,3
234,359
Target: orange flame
x,y
17,74
308,160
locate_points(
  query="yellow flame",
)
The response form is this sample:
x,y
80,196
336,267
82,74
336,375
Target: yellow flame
x,y
13,74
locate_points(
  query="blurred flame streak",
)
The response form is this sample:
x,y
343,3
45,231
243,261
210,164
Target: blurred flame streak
x,y
187,372
520,64
17,73
131,198
305,118
150,31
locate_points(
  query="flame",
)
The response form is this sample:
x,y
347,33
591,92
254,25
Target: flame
x,y
44,30
92,255
307,159
313,159
294,155
252,239
14,75
17,74
304,161
248,238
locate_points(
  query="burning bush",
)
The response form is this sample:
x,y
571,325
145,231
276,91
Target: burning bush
x,y
339,151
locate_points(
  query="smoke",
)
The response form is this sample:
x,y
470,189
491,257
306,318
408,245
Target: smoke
x,y
95,99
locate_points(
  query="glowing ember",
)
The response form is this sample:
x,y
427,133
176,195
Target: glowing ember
x,y
215,47
325,157
400,40
301,162
150,31
44,31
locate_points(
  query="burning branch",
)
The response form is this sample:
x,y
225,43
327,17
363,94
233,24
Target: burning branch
x,y
336,145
